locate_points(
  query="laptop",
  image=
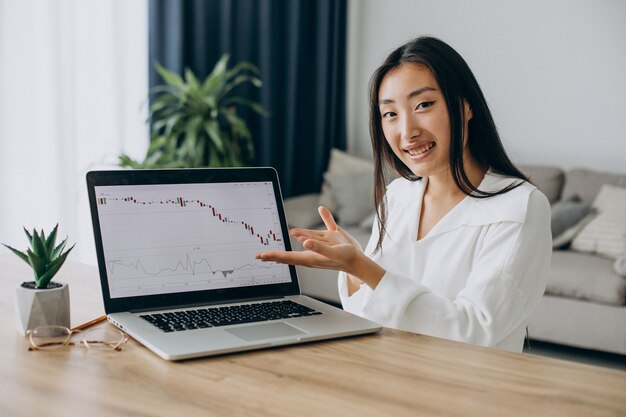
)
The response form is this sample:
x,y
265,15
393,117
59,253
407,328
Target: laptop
x,y
176,255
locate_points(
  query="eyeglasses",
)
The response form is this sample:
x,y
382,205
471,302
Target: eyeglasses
x,y
54,337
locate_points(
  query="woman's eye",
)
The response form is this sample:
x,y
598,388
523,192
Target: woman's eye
x,y
424,105
388,114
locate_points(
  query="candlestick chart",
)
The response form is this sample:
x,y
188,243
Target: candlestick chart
x,y
161,239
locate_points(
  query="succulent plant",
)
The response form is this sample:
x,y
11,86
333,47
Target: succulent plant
x,y
43,256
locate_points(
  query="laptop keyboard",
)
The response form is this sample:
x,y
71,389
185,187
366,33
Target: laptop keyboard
x,y
224,316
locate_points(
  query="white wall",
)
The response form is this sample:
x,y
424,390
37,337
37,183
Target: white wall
x,y
553,71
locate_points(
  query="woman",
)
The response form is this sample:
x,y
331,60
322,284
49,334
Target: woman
x,y
462,241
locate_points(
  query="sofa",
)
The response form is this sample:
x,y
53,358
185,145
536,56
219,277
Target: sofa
x,y
584,304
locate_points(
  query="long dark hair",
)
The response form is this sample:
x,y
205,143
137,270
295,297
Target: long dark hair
x,y
457,84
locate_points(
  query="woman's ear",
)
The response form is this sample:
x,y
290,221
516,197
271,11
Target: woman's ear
x,y
467,111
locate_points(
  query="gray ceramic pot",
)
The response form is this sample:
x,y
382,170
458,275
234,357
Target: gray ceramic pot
x,y
47,307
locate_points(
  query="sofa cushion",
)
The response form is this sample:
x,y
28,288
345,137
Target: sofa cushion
x,y
619,266
586,277
353,195
301,211
368,222
548,179
586,183
606,233
341,163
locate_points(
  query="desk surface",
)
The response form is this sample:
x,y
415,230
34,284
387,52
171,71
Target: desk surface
x,y
392,373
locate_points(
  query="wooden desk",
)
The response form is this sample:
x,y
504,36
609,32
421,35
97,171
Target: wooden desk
x,y
390,374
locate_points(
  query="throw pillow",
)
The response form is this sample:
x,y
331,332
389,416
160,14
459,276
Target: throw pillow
x,y
341,163
606,233
566,214
354,197
566,237
301,211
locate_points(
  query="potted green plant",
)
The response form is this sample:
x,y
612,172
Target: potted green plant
x,y
42,302
195,124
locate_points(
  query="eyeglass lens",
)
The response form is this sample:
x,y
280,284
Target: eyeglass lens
x,y
49,337
52,337
103,338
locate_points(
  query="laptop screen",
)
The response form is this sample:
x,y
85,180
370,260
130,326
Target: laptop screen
x,y
169,237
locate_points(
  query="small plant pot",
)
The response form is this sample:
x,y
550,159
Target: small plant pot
x,y
42,307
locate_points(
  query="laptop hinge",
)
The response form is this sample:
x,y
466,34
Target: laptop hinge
x,y
205,303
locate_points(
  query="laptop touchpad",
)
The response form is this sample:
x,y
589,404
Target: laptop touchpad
x,y
265,331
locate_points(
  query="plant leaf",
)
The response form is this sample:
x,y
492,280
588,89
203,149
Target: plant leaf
x,y
30,237
172,122
238,123
215,134
200,152
21,254
249,103
189,146
39,247
191,79
214,161
163,89
52,239
126,161
240,79
56,251
43,281
36,263
242,66
162,103
157,142
152,160
217,78
211,102
158,125
52,269
171,78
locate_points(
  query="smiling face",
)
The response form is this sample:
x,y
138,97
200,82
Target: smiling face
x,y
415,119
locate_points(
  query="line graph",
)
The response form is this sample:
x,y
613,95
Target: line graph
x,y
187,264
161,239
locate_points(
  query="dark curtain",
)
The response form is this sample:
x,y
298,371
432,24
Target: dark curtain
x,y
300,49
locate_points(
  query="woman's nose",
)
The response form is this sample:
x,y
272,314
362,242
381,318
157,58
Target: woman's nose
x,y
410,129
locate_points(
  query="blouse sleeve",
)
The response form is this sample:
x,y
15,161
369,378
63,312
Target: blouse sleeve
x,y
505,284
354,303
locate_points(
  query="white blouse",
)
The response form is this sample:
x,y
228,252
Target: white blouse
x,y
475,277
